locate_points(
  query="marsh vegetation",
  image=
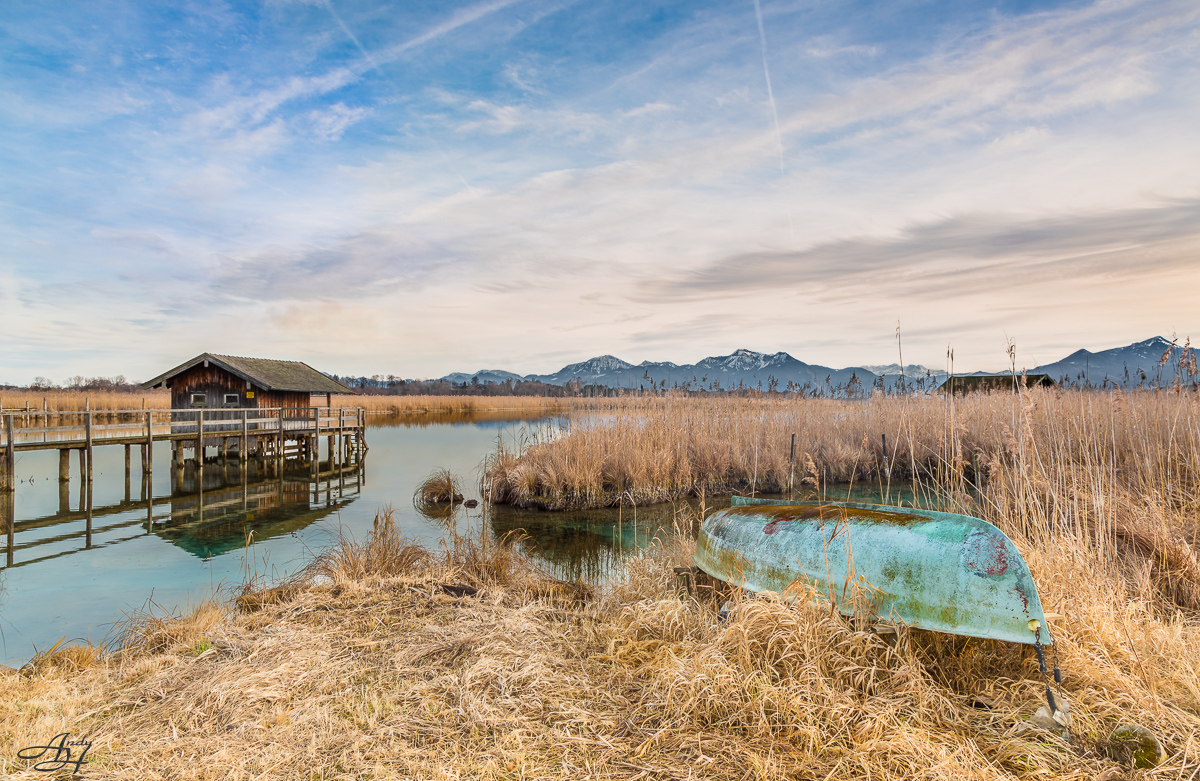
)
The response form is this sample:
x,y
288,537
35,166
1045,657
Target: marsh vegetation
x,y
385,658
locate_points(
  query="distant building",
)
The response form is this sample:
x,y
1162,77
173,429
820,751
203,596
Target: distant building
x,y
972,383
231,382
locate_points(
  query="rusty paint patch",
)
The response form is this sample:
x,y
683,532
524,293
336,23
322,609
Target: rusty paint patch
x,y
985,554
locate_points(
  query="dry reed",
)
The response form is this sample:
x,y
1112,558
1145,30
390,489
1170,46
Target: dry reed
x,y
441,486
70,401
390,661
444,404
387,663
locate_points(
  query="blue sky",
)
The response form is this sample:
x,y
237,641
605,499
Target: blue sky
x,y
418,188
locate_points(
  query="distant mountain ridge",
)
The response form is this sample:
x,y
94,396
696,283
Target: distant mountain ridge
x,y
1129,366
741,368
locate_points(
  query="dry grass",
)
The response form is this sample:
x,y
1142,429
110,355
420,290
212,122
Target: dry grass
x,y
70,401
388,660
460,404
384,663
440,487
654,448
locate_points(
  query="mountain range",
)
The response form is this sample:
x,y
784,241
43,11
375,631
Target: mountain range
x,y
1129,366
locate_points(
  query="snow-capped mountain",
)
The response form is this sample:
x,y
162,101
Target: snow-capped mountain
x,y
487,375
1130,366
741,368
1136,364
911,371
601,370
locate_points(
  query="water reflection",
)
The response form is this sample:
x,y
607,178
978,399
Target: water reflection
x,y
218,509
209,510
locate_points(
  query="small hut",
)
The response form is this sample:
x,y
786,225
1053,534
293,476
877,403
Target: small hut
x,y
211,381
974,383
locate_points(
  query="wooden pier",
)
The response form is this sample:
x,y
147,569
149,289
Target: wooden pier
x,y
262,441
281,432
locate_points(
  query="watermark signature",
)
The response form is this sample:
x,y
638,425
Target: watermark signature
x,y
65,752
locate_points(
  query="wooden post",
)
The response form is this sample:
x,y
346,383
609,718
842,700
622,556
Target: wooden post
x,y
64,495
128,468
199,436
8,479
245,443
88,442
8,515
88,505
279,443
64,465
148,463
342,435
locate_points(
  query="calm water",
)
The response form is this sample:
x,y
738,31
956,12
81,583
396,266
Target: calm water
x,y
205,533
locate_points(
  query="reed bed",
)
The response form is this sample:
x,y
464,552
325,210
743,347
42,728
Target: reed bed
x,y
1119,473
387,660
445,404
73,401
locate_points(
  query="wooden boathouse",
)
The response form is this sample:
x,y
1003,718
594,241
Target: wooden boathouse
x,y
211,381
242,407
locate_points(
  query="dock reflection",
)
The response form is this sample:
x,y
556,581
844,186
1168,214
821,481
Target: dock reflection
x,y
212,508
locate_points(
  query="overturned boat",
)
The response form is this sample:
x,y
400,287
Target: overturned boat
x,y
926,569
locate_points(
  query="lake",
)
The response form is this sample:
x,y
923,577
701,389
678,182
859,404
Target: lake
x,y
206,532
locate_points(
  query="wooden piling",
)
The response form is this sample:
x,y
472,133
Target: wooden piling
x,y
8,477
8,516
148,462
199,436
244,445
64,497
64,465
88,500
88,445
128,469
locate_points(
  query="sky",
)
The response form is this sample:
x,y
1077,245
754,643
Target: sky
x,y
418,188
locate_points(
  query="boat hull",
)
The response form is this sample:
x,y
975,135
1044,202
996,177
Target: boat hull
x,y
929,570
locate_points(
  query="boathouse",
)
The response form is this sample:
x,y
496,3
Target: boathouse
x,y
211,381
974,383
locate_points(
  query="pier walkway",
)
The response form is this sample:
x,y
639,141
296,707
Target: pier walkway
x,y
282,432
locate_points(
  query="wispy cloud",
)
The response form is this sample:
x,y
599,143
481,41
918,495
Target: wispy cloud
x,y
968,252
453,179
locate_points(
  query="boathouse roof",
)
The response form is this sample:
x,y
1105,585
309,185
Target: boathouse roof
x,y
266,373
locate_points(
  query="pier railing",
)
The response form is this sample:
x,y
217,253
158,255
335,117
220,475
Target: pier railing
x,y
37,430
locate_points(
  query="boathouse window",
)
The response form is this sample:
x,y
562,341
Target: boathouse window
x,y
199,399
231,399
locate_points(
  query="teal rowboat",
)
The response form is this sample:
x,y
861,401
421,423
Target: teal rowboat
x,y
929,570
